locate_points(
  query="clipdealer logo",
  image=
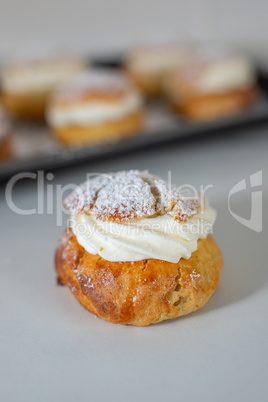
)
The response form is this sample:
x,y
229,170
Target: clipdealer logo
x,y
255,220
50,196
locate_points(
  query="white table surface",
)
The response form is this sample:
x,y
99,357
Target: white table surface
x,y
51,349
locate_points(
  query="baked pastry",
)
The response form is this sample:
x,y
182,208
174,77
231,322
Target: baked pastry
x,y
138,251
149,64
26,86
5,137
212,84
100,105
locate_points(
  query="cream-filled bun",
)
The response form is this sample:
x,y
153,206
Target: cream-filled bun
x,y
213,83
27,85
138,250
96,106
149,64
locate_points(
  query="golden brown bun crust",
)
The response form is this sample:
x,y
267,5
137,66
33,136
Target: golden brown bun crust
x,y
5,149
107,131
142,292
26,106
208,107
149,84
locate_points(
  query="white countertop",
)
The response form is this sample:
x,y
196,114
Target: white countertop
x,y
51,349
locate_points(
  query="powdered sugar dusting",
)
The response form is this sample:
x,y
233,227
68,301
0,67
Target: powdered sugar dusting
x,y
178,202
85,280
84,197
194,275
204,58
185,208
96,81
128,195
164,195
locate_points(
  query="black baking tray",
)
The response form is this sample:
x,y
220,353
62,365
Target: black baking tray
x,y
162,127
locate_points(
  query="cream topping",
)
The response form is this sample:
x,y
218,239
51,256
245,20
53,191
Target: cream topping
x,y
131,216
158,58
93,112
40,75
227,75
214,70
98,81
159,237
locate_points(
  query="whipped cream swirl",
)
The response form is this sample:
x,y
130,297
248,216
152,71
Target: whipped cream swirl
x,y
40,75
94,112
227,75
157,237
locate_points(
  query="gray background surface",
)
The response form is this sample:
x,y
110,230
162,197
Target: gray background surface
x,y
31,27
52,349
